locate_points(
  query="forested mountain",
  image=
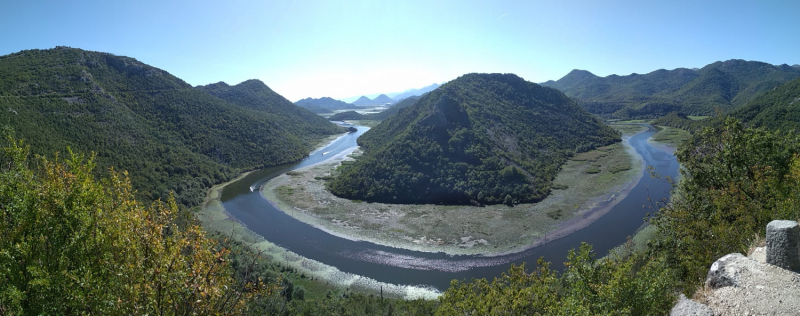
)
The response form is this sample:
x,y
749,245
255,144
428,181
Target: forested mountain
x,y
415,92
323,105
254,94
363,100
353,115
724,85
487,138
777,109
136,117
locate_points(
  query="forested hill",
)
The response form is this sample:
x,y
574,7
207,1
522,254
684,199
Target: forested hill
x,y
380,116
777,109
254,94
724,85
488,138
324,105
136,117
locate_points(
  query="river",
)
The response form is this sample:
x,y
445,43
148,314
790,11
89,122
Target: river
x,y
404,267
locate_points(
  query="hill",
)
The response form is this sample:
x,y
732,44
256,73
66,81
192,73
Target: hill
x,y
323,105
382,99
724,85
415,92
168,134
487,138
363,101
777,109
353,115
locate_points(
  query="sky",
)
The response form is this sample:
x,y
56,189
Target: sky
x,y
342,49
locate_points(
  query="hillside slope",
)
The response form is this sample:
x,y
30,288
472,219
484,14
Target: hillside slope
x,y
777,109
323,105
720,85
488,138
136,117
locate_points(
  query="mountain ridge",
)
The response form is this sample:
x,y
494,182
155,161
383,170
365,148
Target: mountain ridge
x,y
725,85
169,135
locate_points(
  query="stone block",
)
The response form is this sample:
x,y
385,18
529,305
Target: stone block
x,y
783,240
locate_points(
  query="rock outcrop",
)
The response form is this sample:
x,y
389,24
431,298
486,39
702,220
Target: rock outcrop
x,y
739,285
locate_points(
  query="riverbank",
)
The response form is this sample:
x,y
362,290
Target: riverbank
x,y
216,220
589,185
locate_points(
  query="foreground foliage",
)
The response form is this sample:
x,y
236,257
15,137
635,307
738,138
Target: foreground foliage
x,y
73,244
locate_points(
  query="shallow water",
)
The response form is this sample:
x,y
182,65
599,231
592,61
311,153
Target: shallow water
x,y
405,267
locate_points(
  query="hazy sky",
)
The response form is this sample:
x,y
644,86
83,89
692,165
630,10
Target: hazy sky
x,y
348,48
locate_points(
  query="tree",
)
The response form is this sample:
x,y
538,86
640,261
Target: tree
x,y
73,244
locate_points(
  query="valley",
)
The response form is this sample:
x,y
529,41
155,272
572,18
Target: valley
x,y
341,257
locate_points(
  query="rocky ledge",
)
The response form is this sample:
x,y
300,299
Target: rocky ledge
x,y
752,285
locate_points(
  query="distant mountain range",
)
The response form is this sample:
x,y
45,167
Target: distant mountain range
x,y
324,105
415,92
396,96
169,135
380,116
723,85
481,138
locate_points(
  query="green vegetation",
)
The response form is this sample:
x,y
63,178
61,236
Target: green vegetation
x,y
169,135
73,244
324,105
734,181
670,135
720,85
481,138
776,109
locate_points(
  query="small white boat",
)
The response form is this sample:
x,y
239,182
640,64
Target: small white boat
x,y
325,153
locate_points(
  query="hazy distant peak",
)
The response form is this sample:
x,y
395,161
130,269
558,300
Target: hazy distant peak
x,y
363,100
381,99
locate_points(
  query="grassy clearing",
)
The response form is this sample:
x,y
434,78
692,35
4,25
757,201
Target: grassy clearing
x,y
584,182
636,244
670,136
628,129
697,118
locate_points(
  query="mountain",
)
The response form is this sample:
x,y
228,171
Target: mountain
x,y
778,108
724,85
169,135
255,95
363,101
380,116
382,99
487,138
323,105
415,92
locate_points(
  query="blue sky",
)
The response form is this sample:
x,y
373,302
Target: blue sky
x,y
349,48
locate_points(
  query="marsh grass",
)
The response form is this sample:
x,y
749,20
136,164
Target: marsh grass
x,y
670,136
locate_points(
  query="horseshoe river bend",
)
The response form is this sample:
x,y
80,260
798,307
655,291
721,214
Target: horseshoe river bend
x,y
238,208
